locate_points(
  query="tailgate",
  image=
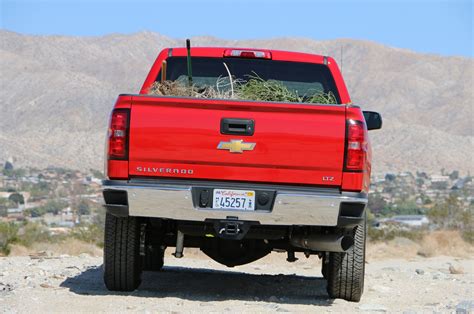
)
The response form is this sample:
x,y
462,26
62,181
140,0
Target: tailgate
x,y
179,138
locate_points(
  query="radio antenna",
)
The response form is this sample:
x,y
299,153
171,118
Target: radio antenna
x,y
190,68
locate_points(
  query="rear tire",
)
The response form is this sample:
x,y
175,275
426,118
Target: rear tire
x,y
122,262
345,271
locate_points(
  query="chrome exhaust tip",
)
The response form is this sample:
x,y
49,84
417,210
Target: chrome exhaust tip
x,y
323,242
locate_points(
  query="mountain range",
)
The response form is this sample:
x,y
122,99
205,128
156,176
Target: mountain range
x,y
57,91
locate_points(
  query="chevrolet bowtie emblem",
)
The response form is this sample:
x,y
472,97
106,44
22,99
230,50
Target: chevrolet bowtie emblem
x,y
236,146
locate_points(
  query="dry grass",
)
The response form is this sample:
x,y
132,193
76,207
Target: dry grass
x,y
396,248
255,88
181,89
448,243
437,243
70,247
168,88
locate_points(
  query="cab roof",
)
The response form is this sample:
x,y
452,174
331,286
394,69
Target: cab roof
x,y
279,55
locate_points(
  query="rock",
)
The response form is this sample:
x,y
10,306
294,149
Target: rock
x,y
42,255
55,276
273,299
439,275
393,269
465,306
205,304
45,285
380,288
420,271
5,287
372,307
45,267
456,270
272,306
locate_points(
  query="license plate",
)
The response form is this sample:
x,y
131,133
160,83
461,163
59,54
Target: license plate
x,y
234,199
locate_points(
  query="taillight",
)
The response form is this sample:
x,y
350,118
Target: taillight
x,y
356,146
257,54
118,134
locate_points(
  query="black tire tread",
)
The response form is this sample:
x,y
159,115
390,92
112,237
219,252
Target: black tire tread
x,y
346,270
122,267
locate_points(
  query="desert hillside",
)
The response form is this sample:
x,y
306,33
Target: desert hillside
x,y
56,93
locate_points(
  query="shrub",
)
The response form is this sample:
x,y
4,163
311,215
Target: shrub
x,y
407,207
52,206
90,233
32,232
395,231
8,236
468,236
451,215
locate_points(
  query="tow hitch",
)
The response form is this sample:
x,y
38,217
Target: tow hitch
x,y
232,229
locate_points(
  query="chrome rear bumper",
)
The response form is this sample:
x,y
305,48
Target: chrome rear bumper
x,y
174,200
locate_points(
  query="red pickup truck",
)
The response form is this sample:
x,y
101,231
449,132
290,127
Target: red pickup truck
x,y
238,178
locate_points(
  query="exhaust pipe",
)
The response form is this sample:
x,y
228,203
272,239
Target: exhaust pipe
x,y
322,242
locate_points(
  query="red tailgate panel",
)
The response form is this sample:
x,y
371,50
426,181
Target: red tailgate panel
x,y
295,143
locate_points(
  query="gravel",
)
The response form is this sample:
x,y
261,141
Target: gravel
x,y
196,284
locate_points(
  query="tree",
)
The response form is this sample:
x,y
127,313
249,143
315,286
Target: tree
x,y
97,174
14,173
447,214
83,208
376,203
454,175
8,166
16,198
54,206
39,190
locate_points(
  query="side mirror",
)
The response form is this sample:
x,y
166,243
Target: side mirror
x,y
373,120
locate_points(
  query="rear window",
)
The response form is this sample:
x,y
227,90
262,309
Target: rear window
x,y
306,79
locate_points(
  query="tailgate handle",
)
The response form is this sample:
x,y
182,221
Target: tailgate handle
x,y
235,126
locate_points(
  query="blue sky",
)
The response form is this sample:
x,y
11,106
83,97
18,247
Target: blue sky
x,y
441,27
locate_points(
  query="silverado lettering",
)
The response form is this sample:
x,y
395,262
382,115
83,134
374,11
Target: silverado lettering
x,y
239,178
164,170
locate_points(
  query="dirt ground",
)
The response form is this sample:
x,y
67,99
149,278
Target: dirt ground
x,y
197,284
